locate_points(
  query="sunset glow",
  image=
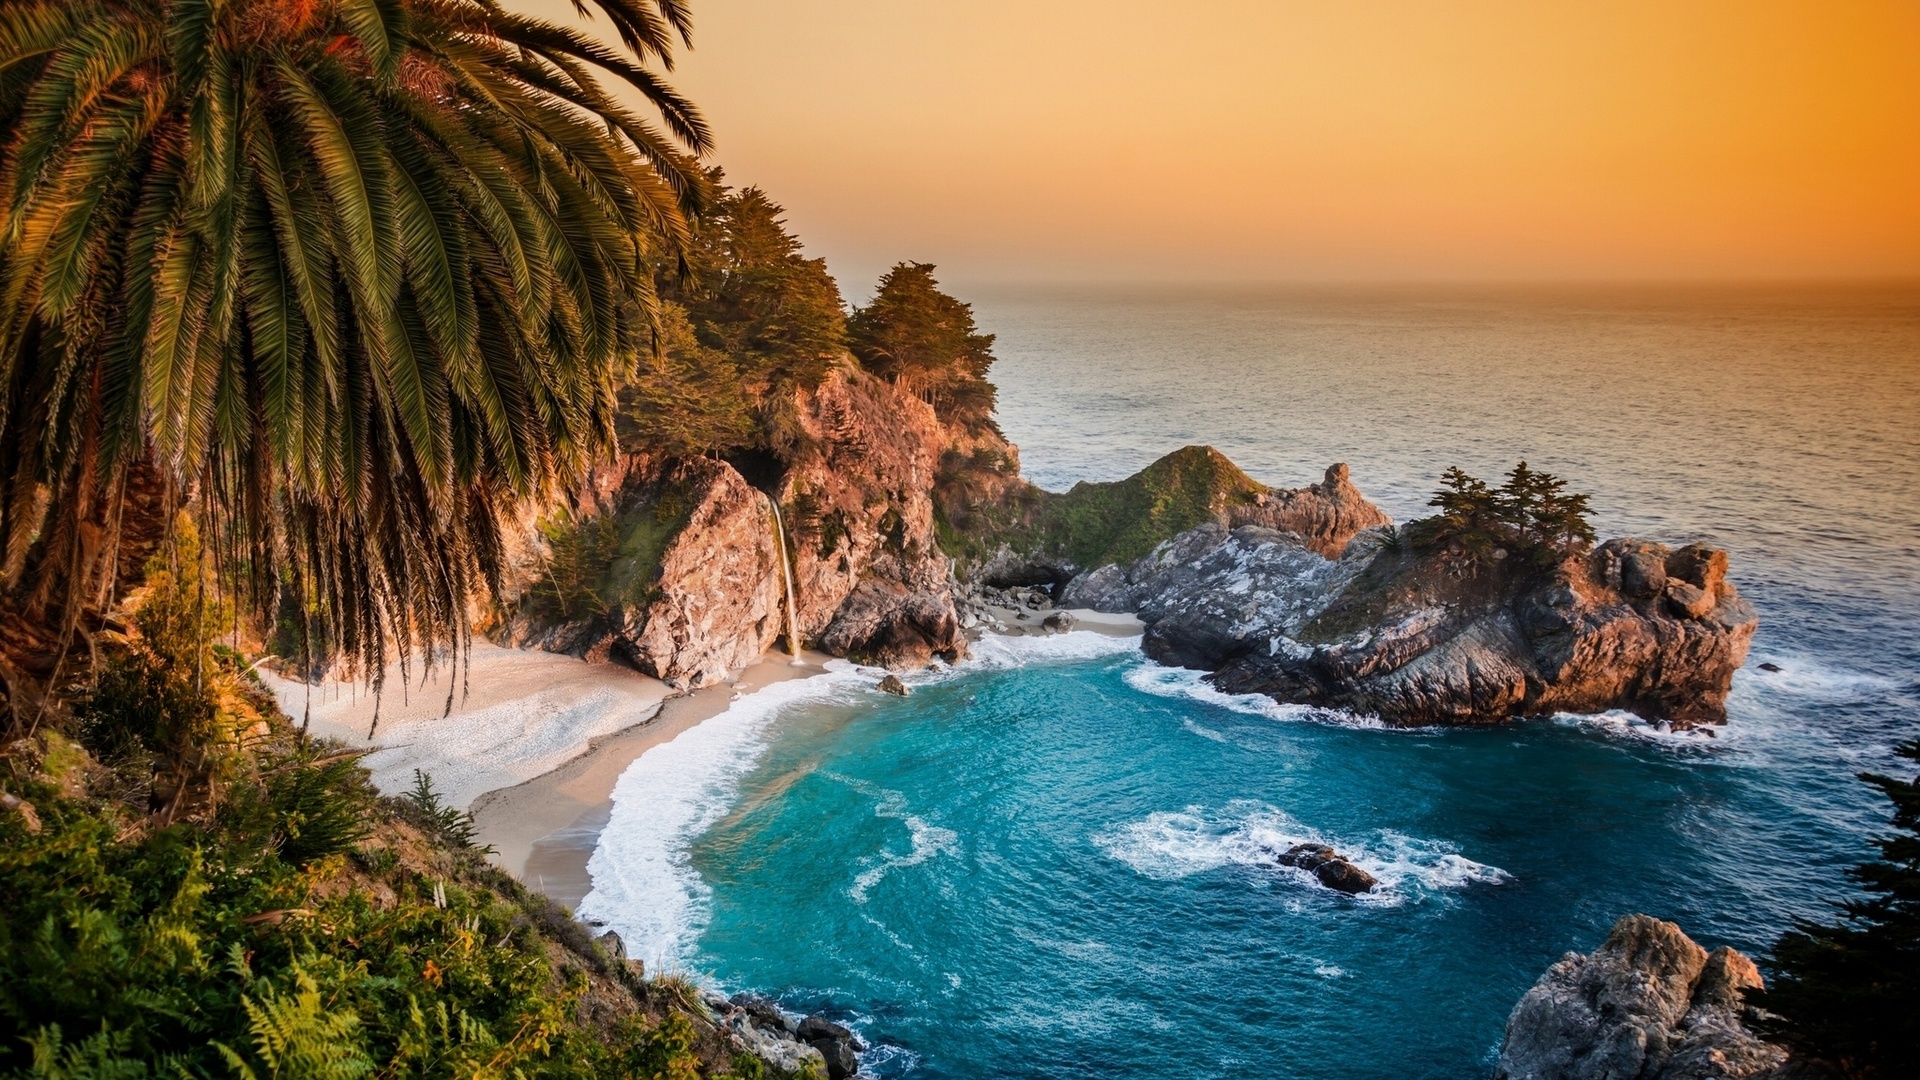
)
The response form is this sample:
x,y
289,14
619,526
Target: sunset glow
x,y
1381,139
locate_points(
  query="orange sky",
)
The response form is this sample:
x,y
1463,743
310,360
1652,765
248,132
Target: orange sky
x,y
1343,139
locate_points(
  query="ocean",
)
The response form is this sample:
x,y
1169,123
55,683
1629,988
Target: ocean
x,y
1041,864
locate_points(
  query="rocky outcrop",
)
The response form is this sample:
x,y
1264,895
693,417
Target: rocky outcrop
x,y
1413,643
1427,639
1034,537
674,568
1649,1004
1325,516
868,570
679,577
791,1045
1332,869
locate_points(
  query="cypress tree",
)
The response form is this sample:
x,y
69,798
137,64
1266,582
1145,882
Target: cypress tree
x,y
1848,993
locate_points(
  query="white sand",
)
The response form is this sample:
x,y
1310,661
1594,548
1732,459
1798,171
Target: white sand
x,y
525,713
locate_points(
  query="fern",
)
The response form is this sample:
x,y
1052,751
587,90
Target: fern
x,y
296,1036
451,824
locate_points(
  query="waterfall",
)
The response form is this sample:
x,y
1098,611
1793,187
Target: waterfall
x,y
786,572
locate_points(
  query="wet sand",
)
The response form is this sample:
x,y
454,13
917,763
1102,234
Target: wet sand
x,y
544,829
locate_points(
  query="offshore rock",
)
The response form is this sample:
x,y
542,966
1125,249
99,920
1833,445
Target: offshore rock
x,y
1428,639
1332,869
1648,1004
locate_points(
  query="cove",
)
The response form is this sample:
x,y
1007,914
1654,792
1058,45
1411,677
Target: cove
x,y
1047,863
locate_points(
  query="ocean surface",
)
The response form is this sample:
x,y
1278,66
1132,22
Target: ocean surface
x,y
1042,863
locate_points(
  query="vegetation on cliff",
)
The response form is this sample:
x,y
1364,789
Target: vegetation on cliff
x,y
1843,993
1092,524
926,343
195,890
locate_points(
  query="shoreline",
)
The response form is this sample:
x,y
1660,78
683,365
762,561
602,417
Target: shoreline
x,y
545,828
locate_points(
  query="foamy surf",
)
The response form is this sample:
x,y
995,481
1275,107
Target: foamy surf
x,y
1171,844
1191,685
644,886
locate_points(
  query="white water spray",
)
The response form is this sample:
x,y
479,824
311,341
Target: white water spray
x,y
786,573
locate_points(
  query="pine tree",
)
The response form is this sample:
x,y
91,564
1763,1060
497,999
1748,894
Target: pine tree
x,y
1845,993
925,341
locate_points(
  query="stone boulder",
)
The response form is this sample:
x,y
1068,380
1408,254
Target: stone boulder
x,y
1332,869
838,1045
1649,1004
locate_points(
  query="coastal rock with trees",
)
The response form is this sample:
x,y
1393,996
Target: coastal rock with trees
x,y
1498,606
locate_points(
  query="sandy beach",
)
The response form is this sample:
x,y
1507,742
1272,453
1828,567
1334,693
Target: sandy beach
x,y
536,741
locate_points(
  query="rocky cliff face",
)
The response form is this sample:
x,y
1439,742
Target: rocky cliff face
x,y
871,579
1012,533
1649,1004
1426,639
674,567
678,575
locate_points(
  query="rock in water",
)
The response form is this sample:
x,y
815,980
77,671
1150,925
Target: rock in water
x,y
1332,869
1649,1004
1424,638
837,1044
891,684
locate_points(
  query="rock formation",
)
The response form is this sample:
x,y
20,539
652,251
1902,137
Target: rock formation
x,y
1332,869
1426,638
1649,1004
674,567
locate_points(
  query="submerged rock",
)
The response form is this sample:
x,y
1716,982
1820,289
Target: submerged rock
x,y
1649,1004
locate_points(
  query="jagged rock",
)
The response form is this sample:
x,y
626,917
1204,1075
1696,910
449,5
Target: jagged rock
x,y
1325,516
838,1045
1649,1004
611,942
1332,869
1414,639
869,579
891,684
710,605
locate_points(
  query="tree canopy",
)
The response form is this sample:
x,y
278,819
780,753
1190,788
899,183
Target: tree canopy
x,y
1844,992
347,277
1531,510
925,341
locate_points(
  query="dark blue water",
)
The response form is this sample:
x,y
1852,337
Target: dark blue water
x,y
1048,863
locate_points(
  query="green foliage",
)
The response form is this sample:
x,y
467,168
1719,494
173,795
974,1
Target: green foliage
x,y
164,693
926,341
360,275
600,562
319,808
687,400
1844,993
449,823
754,298
1532,513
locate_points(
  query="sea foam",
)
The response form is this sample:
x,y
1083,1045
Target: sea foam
x,y
1171,844
644,885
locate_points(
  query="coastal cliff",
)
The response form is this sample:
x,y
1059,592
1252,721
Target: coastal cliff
x,y
1649,1003
674,567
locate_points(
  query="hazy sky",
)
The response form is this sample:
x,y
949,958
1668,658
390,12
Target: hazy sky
x,y
1285,140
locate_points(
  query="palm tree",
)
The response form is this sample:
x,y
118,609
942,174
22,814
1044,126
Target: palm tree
x,y
345,279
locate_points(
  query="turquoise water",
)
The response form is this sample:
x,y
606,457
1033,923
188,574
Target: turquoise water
x,y
1046,863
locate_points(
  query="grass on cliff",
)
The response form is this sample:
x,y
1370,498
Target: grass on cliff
x,y
1095,524
192,890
